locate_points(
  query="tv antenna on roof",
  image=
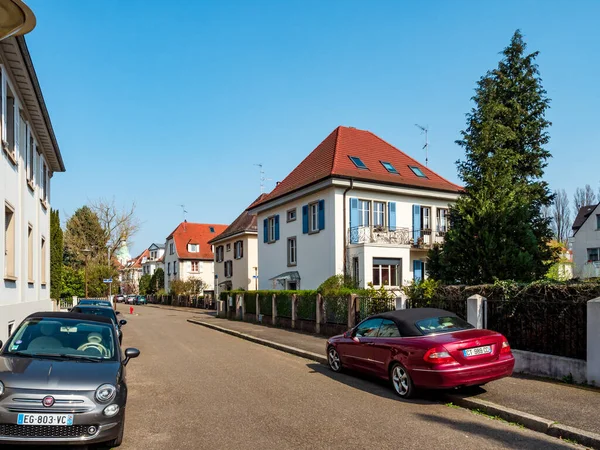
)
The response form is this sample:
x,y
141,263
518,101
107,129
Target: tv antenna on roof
x,y
262,178
426,146
184,215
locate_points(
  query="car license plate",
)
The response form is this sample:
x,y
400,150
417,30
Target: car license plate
x,y
45,419
477,351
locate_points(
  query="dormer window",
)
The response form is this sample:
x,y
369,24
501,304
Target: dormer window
x,y
212,229
358,162
193,248
389,167
417,171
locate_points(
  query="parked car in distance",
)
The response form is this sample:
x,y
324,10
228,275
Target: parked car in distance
x,y
95,302
141,300
130,299
63,381
103,311
422,348
119,298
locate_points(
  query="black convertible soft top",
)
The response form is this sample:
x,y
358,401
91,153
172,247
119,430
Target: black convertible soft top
x,y
70,315
405,319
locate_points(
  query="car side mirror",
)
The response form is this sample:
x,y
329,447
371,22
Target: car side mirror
x,y
130,353
122,322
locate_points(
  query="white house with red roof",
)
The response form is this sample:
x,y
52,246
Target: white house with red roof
x,y
586,242
29,159
236,253
355,205
154,260
189,255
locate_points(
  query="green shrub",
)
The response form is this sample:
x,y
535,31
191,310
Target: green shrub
x,y
307,305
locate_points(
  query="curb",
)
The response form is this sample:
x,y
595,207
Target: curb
x,y
284,348
529,421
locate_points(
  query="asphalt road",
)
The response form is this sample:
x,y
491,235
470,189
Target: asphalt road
x,y
195,388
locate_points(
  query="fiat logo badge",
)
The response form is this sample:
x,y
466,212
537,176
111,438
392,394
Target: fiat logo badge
x,y
48,401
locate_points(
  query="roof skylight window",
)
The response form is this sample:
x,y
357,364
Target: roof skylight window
x,y
358,162
418,172
389,167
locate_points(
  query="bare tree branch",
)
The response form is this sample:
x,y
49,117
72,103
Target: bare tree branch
x,y
584,197
119,225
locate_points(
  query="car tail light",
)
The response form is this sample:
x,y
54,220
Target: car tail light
x,y
505,349
438,355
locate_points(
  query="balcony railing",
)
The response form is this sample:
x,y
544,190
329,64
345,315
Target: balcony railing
x,y
395,236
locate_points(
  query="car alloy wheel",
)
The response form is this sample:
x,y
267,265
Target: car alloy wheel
x,y
334,360
401,381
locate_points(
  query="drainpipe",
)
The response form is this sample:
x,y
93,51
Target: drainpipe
x,y
345,233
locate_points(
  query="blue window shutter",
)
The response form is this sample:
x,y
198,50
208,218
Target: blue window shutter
x,y
416,222
392,216
321,214
418,270
277,227
266,231
305,219
353,220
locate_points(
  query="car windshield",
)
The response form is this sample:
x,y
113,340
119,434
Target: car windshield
x,y
95,302
444,324
103,312
63,337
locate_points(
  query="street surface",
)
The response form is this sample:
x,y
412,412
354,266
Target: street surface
x,y
195,388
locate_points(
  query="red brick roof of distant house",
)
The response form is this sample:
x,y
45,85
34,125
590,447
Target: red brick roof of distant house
x,y
245,222
136,263
195,233
332,158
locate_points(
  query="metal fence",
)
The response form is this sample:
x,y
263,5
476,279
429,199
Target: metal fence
x,y
458,307
554,328
336,310
369,306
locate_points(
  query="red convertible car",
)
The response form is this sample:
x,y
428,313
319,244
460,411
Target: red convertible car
x,y
422,348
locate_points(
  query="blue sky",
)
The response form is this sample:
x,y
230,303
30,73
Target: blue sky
x,y
170,103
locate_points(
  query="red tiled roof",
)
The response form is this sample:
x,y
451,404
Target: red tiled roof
x,y
195,233
244,222
332,159
136,263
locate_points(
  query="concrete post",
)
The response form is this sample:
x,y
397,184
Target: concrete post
x,y
475,310
593,342
242,306
318,317
258,309
401,302
351,310
294,310
274,307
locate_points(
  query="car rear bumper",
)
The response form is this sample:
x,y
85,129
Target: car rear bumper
x,y
462,376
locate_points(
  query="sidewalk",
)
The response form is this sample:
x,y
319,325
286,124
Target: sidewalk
x,y
554,404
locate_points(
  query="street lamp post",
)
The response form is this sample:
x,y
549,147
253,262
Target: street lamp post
x,y
86,251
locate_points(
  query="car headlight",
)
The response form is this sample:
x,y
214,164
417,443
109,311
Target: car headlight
x,y
1,388
111,410
106,393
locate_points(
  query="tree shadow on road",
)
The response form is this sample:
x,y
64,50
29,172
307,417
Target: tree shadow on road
x,y
373,385
504,436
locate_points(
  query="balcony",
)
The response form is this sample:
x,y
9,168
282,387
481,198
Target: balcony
x,y
418,239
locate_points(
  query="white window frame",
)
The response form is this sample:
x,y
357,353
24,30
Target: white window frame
x,y
194,248
379,214
291,215
171,248
313,217
292,251
195,269
271,229
364,213
389,266
237,249
425,218
442,219
10,260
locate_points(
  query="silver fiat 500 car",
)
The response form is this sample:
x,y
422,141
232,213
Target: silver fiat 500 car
x,y
62,381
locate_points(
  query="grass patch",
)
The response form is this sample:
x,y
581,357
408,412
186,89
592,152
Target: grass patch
x,y
479,412
452,405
